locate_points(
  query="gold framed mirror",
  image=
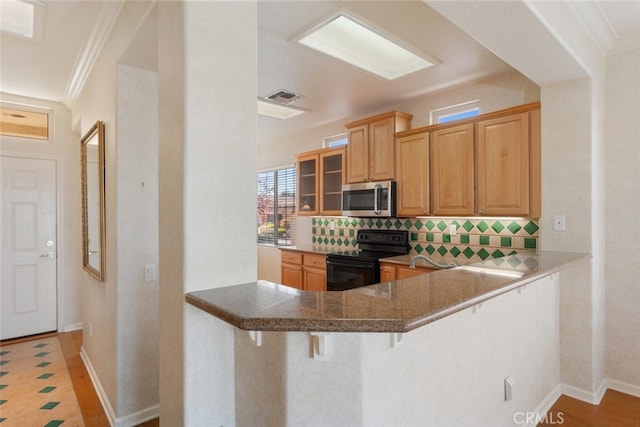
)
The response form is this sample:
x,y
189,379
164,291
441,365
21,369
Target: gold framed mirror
x,y
93,206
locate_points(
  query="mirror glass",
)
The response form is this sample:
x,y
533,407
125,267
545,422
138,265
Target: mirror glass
x,y
93,213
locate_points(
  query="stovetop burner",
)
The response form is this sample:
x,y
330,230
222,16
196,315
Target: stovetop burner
x,y
376,244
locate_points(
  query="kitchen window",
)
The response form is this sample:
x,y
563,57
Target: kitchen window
x,y
335,141
455,112
277,207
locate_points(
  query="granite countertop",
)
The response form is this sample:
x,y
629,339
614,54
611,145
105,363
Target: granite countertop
x,y
396,306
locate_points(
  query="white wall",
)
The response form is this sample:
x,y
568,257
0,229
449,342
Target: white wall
x,y
117,304
137,239
622,213
65,148
448,373
207,159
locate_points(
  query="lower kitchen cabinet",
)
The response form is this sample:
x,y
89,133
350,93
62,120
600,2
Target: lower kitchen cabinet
x,y
303,270
391,271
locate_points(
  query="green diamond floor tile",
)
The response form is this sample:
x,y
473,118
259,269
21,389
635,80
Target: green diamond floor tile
x,y
455,252
39,345
3,373
3,386
407,224
54,423
430,225
2,419
3,362
468,225
430,249
2,402
442,226
45,376
47,389
497,227
397,224
2,353
497,253
43,364
419,248
442,250
41,354
482,226
49,405
418,224
483,254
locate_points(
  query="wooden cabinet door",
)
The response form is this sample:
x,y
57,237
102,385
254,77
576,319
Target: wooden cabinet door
x,y
452,171
315,279
307,174
332,176
387,272
412,180
503,165
381,150
358,154
291,275
410,272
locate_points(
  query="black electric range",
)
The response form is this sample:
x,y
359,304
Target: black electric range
x,y
353,269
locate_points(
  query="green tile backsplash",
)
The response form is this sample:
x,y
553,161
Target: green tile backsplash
x,y
478,238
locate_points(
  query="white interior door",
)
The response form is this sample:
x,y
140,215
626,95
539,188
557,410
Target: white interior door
x,y
28,292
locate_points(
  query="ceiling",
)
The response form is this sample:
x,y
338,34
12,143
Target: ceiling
x,y
55,67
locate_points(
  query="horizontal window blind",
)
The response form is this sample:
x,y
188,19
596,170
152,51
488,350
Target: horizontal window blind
x,y
276,207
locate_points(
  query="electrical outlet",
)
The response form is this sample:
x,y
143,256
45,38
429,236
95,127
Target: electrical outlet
x,y
90,330
559,223
453,230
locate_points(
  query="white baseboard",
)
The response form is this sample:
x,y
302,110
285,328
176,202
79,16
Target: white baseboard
x,y
72,327
593,398
126,421
546,404
633,390
102,395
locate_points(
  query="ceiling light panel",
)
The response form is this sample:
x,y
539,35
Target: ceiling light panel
x,y
22,18
349,41
278,111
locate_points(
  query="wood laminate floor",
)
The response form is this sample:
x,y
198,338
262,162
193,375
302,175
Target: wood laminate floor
x,y
615,410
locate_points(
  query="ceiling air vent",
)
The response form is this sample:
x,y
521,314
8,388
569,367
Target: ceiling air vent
x,y
283,97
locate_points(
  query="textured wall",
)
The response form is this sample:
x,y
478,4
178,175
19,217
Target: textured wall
x,y
622,212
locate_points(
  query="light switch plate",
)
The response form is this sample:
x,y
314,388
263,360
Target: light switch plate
x,y
150,273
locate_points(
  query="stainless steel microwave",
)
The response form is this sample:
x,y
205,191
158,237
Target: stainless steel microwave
x,y
369,199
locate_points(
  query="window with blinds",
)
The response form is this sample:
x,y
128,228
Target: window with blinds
x,y
277,207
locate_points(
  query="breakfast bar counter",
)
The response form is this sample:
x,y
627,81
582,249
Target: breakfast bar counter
x,y
398,306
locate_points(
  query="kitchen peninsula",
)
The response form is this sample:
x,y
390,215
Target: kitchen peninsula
x,y
433,349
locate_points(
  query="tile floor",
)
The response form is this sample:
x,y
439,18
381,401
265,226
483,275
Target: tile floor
x,y
35,387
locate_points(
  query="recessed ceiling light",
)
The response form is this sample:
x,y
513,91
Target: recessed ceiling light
x,y
350,41
276,110
22,18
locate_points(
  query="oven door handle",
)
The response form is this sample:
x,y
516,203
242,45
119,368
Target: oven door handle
x,y
376,195
364,264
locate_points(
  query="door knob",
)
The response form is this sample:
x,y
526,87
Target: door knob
x,y
47,255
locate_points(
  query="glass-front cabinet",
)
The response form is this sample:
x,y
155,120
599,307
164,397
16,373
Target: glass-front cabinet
x,y
320,178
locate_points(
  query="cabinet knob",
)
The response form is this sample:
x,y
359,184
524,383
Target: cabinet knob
x,y
434,212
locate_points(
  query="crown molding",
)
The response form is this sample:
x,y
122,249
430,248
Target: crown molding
x,y
87,56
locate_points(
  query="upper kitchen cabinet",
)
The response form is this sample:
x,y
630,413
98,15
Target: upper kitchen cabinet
x,y
307,174
452,171
509,165
320,178
412,175
371,149
332,176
